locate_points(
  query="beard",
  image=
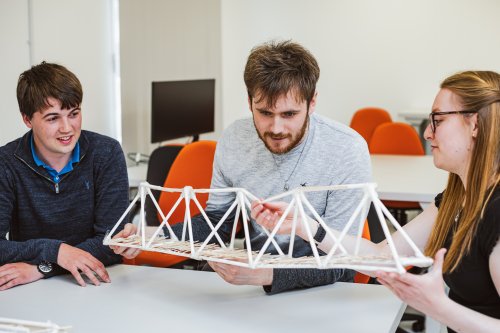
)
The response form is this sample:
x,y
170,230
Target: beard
x,y
294,139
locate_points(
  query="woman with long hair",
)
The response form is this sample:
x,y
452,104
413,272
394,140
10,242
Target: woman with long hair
x,y
464,221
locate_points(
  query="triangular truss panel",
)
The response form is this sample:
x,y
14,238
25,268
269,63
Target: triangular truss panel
x,y
299,206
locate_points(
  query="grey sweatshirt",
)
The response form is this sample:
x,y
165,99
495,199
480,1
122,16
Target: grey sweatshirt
x,y
331,153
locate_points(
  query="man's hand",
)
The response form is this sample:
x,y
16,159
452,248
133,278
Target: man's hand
x,y
242,275
268,215
78,261
18,273
127,252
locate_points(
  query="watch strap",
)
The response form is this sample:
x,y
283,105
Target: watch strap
x,y
320,234
45,268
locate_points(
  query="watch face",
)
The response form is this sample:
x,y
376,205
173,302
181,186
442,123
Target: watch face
x,y
45,267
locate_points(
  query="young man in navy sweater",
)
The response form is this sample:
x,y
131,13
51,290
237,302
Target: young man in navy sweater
x,y
61,188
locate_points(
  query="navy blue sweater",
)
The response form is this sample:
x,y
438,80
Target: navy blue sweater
x,y
39,214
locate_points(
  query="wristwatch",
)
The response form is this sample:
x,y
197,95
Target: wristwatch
x,y
45,268
320,234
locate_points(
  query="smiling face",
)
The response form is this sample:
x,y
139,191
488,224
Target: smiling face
x,y
453,139
283,126
55,132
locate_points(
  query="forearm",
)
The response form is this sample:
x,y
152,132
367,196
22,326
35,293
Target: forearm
x,y
31,251
463,319
290,279
348,241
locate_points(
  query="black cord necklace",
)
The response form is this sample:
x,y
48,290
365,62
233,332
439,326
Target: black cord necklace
x,y
286,185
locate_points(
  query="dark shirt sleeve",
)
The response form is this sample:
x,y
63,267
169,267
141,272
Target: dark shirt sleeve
x,y
290,279
285,279
438,199
29,251
489,232
111,200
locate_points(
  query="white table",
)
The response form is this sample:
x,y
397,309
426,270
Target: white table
x,y
407,178
147,299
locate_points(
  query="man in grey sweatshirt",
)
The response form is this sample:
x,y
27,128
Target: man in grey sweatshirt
x,y
283,146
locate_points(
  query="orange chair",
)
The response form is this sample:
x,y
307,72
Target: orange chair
x,y
366,120
397,139
192,167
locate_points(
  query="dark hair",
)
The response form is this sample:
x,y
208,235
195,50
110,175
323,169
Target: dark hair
x,y
46,80
275,68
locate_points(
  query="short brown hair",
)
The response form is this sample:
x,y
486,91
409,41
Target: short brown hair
x,y
275,68
46,80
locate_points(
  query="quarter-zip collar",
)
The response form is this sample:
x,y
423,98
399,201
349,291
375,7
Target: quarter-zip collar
x,y
23,153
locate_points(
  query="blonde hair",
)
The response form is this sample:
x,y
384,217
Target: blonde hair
x,y
480,91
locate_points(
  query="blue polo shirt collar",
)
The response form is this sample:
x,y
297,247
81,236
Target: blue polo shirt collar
x,y
56,176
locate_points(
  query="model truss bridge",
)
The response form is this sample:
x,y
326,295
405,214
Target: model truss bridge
x,y
337,257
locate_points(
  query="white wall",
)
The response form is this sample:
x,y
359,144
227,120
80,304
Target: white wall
x,y
387,53
74,33
14,59
164,40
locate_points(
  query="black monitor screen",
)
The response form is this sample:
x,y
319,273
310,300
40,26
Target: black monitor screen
x,y
182,108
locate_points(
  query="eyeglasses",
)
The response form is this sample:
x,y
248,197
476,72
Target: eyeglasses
x,y
432,115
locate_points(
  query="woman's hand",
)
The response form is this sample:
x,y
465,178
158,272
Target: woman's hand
x,y
422,292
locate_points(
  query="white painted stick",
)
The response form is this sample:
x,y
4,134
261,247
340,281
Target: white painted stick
x,y
214,231
398,227
294,229
108,236
158,209
310,237
165,222
323,223
245,227
274,231
338,241
235,226
386,231
275,244
202,211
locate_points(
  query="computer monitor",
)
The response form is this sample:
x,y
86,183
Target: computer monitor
x,y
182,108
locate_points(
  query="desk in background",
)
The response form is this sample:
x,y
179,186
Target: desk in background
x,y
148,299
407,178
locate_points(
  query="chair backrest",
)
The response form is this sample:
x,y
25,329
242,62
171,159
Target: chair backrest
x,y
364,121
159,165
397,139
192,167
